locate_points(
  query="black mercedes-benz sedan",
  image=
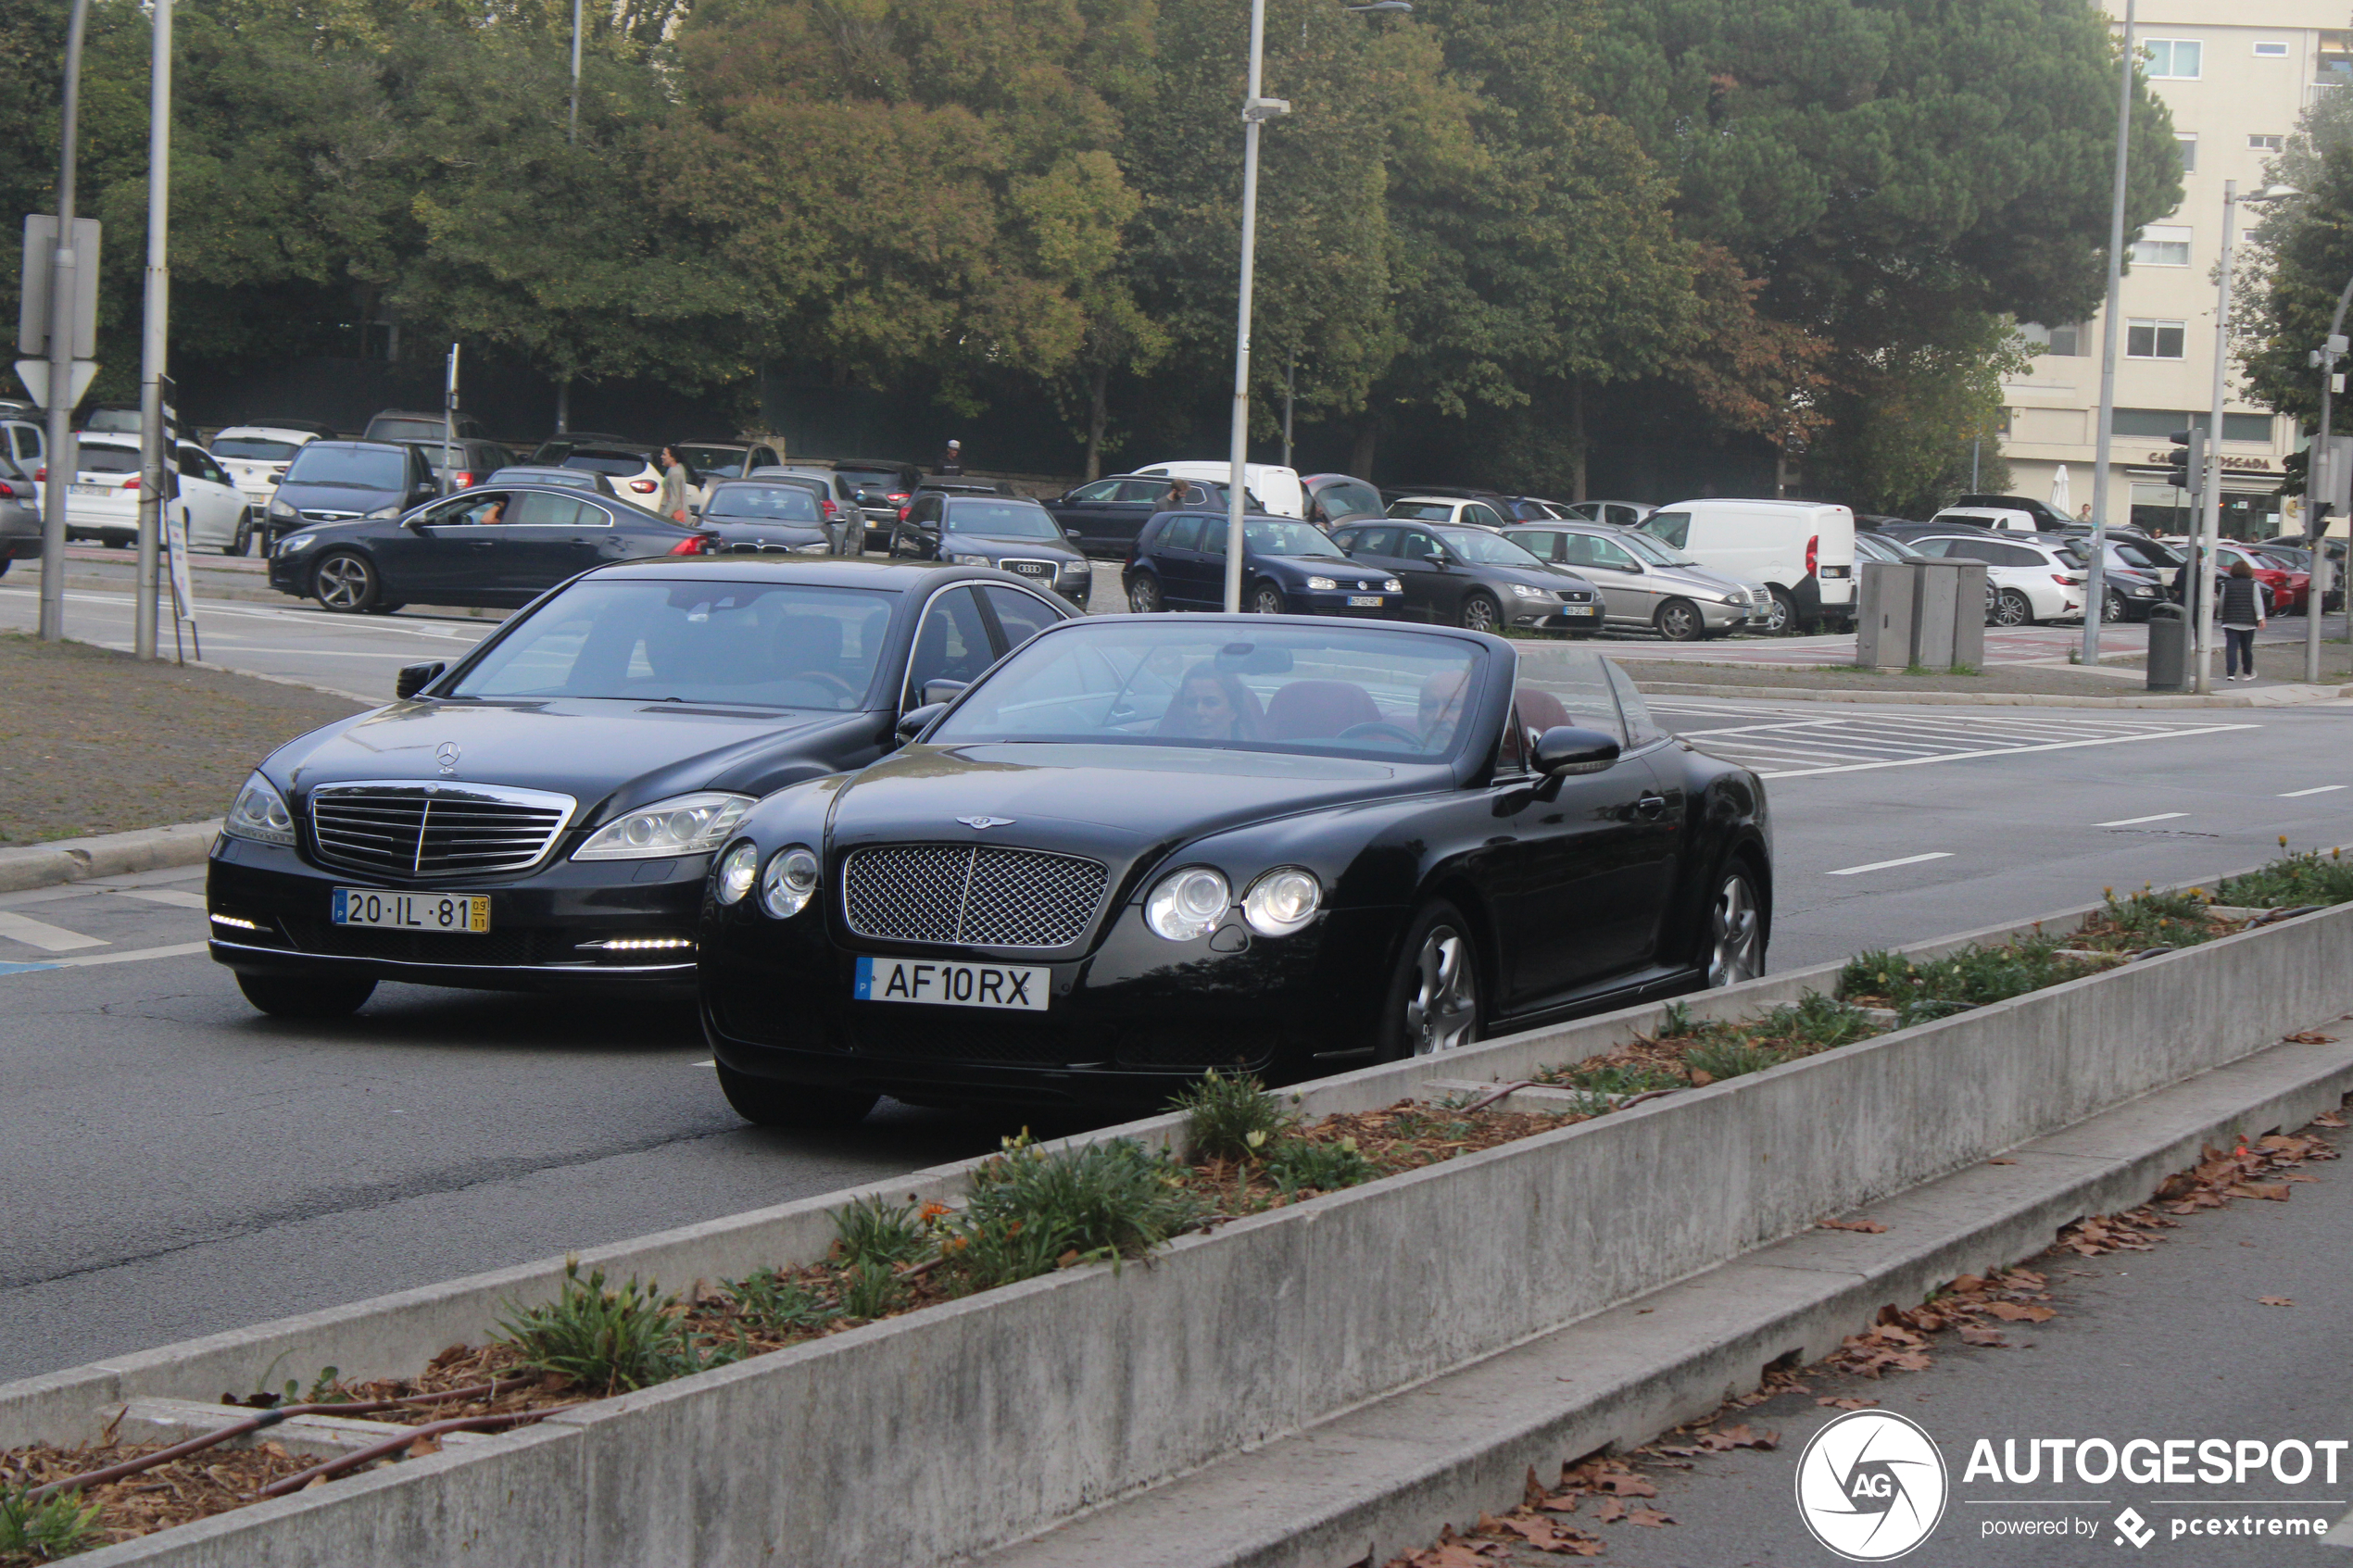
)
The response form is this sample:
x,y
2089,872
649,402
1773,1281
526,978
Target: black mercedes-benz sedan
x,y
541,816
1143,846
496,547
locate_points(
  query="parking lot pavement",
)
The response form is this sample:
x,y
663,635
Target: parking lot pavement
x,y
1794,743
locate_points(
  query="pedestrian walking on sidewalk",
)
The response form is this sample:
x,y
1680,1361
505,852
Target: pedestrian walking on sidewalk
x,y
951,463
677,478
2242,608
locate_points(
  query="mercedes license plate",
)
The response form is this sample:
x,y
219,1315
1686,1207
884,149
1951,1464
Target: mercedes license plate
x,y
1363,601
464,913
952,985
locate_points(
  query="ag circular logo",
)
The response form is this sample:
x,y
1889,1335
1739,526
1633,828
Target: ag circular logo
x,y
1870,1485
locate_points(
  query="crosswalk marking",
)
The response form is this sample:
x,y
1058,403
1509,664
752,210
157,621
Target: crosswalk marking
x,y
176,897
41,935
2317,789
1781,744
1882,865
2135,822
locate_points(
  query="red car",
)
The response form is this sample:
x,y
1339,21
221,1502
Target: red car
x,y
2290,591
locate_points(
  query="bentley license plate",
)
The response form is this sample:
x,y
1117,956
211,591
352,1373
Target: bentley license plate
x,y
464,913
1363,601
952,985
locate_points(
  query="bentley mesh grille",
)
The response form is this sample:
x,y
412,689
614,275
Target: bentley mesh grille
x,y
980,896
415,830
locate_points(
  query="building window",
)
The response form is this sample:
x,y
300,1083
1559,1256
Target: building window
x,y
2174,60
2188,146
2154,340
2248,427
2265,143
2154,423
2059,343
2333,63
2162,245
2271,51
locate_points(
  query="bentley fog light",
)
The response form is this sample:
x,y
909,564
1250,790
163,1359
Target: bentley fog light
x,y
737,872
1188,905
1282,901
790,881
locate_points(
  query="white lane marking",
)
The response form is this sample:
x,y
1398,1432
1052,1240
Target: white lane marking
x,y
41,935
171,895
177,950
2129,822
2317,789
1882,865
2004,751
713,1063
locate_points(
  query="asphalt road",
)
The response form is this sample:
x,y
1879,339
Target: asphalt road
x,y
182,1165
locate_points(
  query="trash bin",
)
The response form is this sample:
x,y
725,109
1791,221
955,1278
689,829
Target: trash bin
x,y
2169,649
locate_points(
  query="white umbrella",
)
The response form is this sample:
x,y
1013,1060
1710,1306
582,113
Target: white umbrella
x,y
2059,502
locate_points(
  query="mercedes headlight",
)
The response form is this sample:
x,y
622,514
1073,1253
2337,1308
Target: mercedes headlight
x,y
685,824
1525,592
298,543
1321,584
1282,901
789,882
971,560
739,869
260,812
1188,905
1392,586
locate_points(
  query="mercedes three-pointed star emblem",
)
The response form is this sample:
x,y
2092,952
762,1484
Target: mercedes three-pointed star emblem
x,y
446,755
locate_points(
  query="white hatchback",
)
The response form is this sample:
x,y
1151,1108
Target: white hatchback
x,y
1448,511
255,456
2028,580
102,501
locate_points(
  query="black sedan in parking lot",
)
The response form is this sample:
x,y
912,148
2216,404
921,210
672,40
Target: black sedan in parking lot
x,y
759,517
1288,568
1140,847
497,546
540,817
1011,533
1461,576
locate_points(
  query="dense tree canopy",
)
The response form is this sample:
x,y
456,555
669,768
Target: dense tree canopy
x,y
1807,222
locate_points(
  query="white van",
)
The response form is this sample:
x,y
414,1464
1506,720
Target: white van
x,y
2001,519
1803,550
1278,487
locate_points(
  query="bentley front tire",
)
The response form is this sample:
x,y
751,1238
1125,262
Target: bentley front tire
x,y
1432,1005
1735,929
769,1103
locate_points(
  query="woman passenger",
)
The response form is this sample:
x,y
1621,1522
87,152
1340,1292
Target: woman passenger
x,y
1209,704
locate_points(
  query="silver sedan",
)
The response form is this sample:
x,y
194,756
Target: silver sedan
x,y
20,517
1646,585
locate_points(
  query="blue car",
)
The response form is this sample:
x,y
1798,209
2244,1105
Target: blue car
x,y
1288,568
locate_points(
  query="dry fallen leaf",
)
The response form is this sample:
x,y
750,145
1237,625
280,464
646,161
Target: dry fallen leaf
x,y
2001,1162
1987,1337
2277,1300
1611,1510
2010,1312
1649,1516
2328,1119
1870,1227
2310,1037
1841,1402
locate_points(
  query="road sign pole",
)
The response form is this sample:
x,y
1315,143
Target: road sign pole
x,y
155,442
58,452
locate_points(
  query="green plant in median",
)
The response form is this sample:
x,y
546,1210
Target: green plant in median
x,y
1030,1212
1231,1118
1732,1057
59,1525
2305,877
2157,920
607,1340
1297,1163
1676,1022
1973,976
871,1230
779,1304
871,1290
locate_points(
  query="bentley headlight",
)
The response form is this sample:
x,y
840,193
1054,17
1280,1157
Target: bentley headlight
x,y
737,870
685,824
260,812
1188,905
1322,585
789,882
1282,901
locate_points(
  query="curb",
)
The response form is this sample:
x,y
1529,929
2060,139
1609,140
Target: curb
x,y
1994,699
113,854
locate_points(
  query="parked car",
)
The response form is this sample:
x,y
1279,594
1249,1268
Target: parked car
x,y
2296,558
715,460
1276,488
102,501
336,481
837,497
1335,498
2291,592
2033,580
541,816
489,547
1388,841
1011,533
1473,577
1998,520
1643,585
22,442
2131,584
20,516
1801,551
110,418
568,479
1901,531
1288,568
1617,514
460,464
1109,514
256,454
421,424
1452,510
882,487
2046,519
775,516
1880,548
630,465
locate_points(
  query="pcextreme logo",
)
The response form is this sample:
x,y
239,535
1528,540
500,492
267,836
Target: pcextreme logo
x,y
1870,1485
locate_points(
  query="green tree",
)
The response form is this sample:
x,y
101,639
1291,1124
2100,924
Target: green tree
x,y
2285,284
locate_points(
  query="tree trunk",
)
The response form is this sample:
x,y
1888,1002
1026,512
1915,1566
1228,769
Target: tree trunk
x,y
1360,461
1097,403
1576,437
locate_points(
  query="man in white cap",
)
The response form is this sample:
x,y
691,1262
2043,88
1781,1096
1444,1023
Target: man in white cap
x,y
954,463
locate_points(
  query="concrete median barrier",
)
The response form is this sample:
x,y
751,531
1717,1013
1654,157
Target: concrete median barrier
x,y
112,854
956,1430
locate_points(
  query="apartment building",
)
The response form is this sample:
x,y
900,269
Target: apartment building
x,y
2235,85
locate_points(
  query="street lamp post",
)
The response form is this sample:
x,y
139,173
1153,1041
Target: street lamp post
x,y
1256,111
2096,576
155,442
57,449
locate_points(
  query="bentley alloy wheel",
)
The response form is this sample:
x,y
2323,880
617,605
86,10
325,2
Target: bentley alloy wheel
x,y
1441,1000
1735,932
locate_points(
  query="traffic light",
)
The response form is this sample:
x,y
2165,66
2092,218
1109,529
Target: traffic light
x,y
2186,469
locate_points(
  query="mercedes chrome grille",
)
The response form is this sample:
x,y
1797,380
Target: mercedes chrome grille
x,y
981,895
411,831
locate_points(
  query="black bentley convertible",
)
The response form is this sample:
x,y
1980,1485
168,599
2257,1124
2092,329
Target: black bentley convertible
x,y
1144,847
541,816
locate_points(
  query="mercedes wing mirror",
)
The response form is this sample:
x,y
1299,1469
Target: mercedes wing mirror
x,y
414,678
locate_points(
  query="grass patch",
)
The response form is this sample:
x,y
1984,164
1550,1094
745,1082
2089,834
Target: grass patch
x,y
1230,1118
607,1339
2305,877
871,1231
1031,1212
59,1525
1922,990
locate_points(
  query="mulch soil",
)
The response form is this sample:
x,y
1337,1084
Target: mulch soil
x,y
178,1492
93,741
